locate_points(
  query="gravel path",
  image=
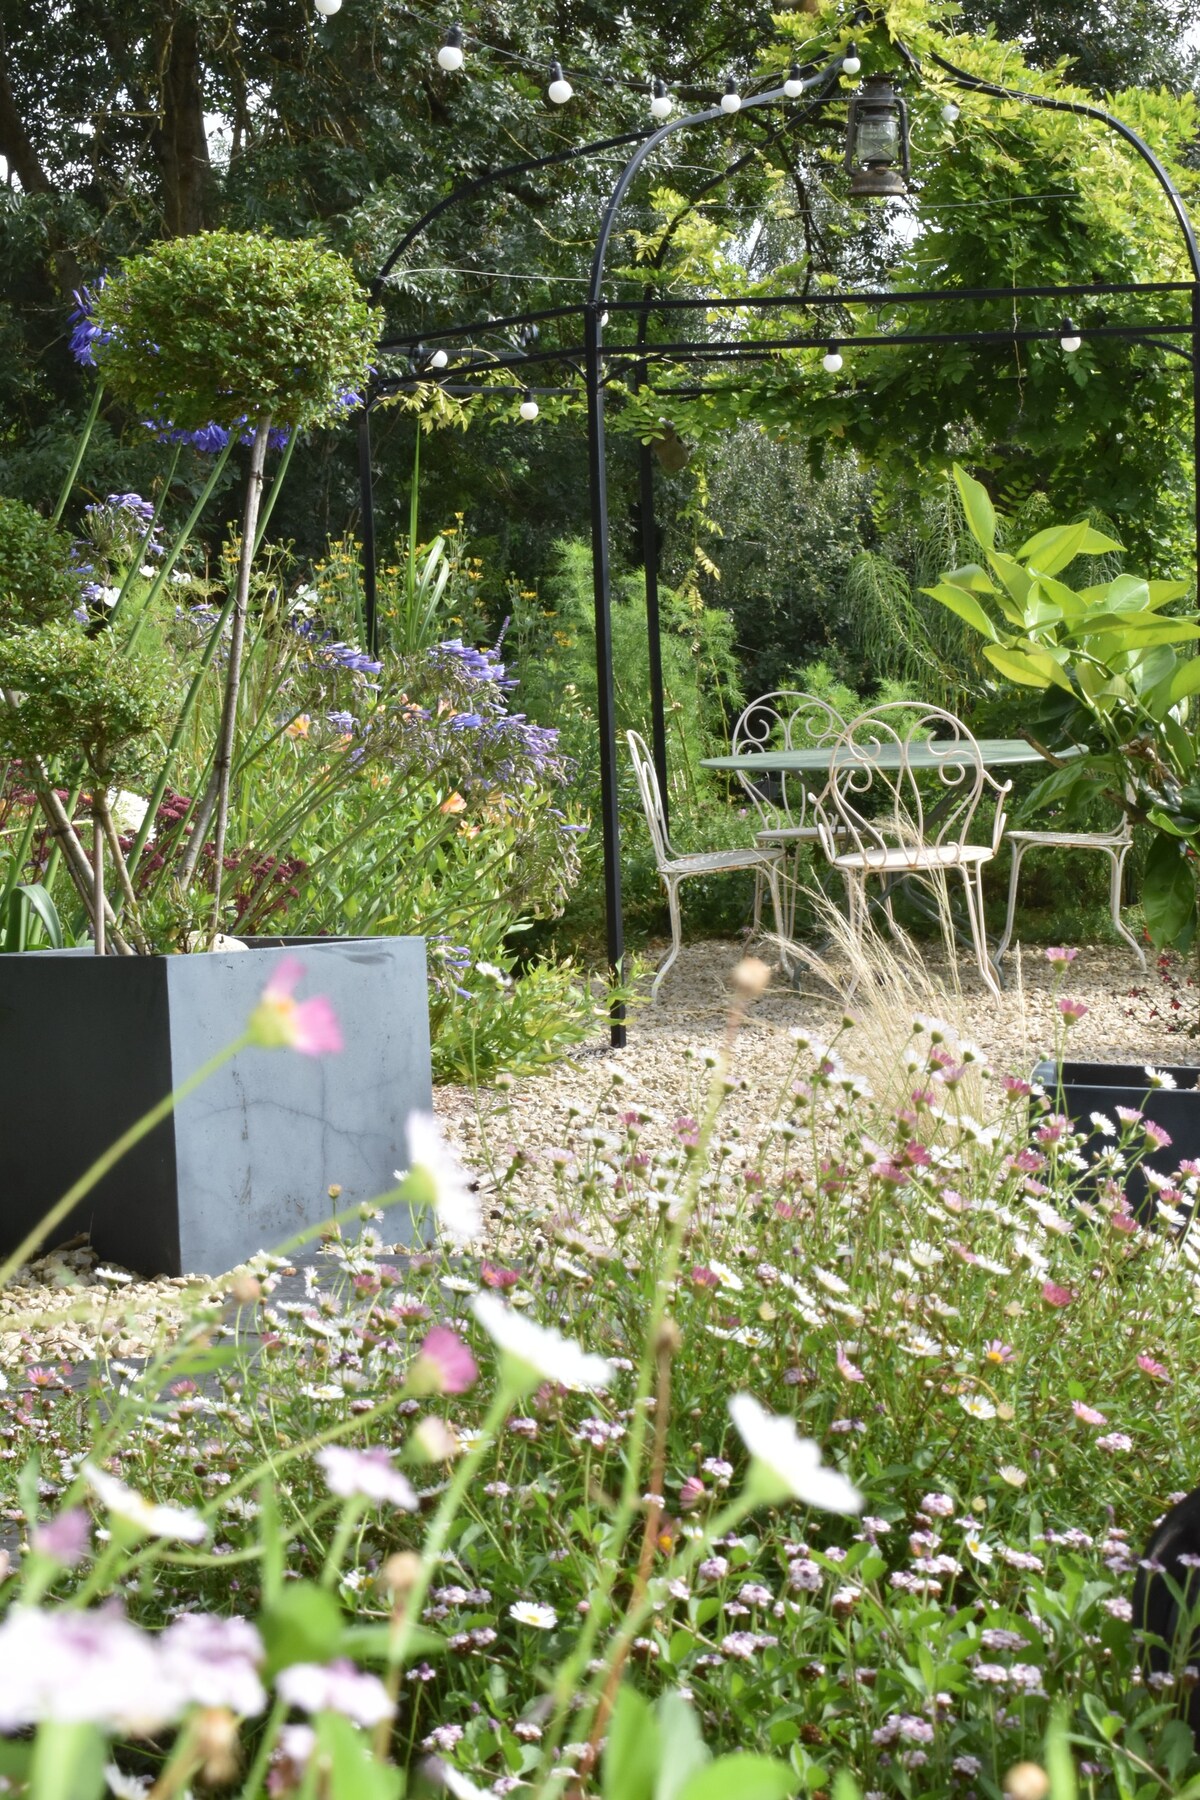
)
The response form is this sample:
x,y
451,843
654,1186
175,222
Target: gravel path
x,y
547,1117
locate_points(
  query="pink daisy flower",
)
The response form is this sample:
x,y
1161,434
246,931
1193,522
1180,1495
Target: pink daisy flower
x,y
1087,1415
1157,1371
1054,1295
846,1369
281,1022
1072,1010
1155,1135
1059,956
444,1365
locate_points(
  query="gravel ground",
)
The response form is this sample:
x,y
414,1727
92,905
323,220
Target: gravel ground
x,y
1131,1017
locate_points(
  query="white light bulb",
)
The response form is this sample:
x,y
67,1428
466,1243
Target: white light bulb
x,y
450,56
529,408
603,318
793,87
731,100
560,89
831,362
1070,340
438,360
661,103
950,112
852,61
327,8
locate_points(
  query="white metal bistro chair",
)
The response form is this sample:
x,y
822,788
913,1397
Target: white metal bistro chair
x,y
905,782
1115,844
784,720
674,867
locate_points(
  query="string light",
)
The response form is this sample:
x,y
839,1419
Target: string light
x,y
560,89
528,408
731,100
831,362
660,101
793,87
1070,339
439,359
852,61
950,112
327,8
450,56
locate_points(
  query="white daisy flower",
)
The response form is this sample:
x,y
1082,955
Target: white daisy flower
x,y
1159,1078
979,1547
528,1612
540,1352
725,1275
977,1405
785,1463
437,1174
150,1520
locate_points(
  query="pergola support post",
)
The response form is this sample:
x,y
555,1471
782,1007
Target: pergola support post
x,y
1196,423
658,709
367,489
606,719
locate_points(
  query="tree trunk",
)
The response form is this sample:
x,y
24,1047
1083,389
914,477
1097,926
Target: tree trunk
x,y
181,141
223,762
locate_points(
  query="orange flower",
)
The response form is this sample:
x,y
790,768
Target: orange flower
x,y
453,803
299,726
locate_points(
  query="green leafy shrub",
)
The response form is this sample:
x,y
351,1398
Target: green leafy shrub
x,y
80,697
39,580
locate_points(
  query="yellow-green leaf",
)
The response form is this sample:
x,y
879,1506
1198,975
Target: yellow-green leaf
x,y
957,600
981,514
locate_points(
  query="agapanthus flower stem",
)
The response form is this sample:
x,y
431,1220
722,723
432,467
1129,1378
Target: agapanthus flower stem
x,y
80,451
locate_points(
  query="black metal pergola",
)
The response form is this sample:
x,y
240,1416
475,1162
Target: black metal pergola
x,y
447,356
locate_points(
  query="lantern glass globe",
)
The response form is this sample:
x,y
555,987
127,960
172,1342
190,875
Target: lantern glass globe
x,y
327,8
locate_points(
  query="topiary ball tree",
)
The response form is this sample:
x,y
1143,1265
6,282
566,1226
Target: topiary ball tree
x,y
236,330
231,328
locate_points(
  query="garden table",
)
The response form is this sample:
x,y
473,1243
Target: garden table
x,y
995,753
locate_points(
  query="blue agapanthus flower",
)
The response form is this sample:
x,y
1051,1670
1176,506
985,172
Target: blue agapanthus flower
x,y
85,333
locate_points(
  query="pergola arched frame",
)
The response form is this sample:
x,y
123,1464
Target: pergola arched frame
x,y
450,357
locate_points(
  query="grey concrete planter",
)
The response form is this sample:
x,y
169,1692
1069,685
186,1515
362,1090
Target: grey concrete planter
x,y
88,1044
1102,1087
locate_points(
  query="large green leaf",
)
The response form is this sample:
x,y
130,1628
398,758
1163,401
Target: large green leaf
x,y
1185,681
973,576
1017,580
303,1625
683,1749
1168,890
633,1751
1027,665
1052,549
981,514
1116,638
741,1777
68,1763
957,600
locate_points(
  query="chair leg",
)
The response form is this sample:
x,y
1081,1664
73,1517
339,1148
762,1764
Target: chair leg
x,y
1117,858
772,878
672,886
1018,851
756,922
856,909
974,887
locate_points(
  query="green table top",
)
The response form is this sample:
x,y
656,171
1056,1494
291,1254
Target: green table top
x,y
994,752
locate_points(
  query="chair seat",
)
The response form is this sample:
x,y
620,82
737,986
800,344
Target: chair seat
x,y
714,862
787,834
1071,840
920,856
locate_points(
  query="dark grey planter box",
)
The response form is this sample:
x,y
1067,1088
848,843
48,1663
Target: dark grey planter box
x,y
88,1044
1102,1087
